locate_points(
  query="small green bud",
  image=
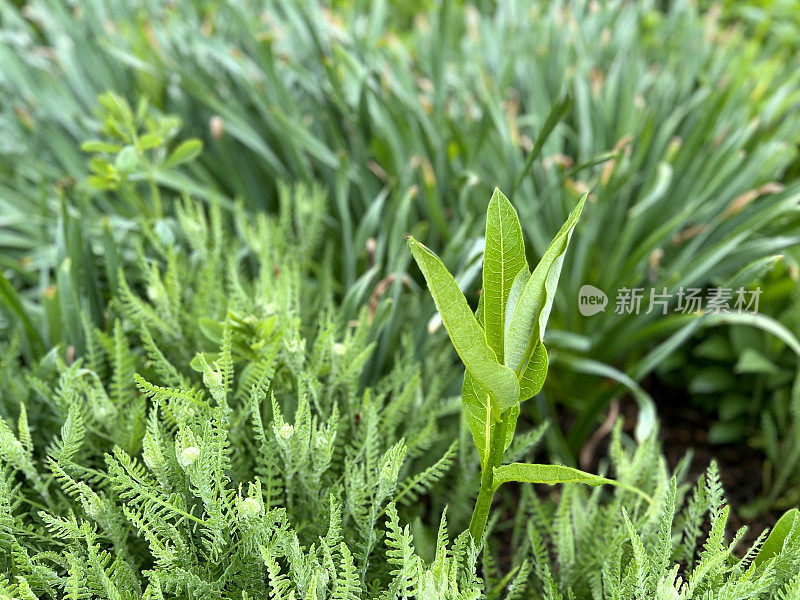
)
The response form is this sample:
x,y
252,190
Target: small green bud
x,y
296,346
212,379
286,431
105,412
189,456
250,508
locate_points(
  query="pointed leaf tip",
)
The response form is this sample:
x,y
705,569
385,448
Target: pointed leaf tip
x,y
529,319
504,258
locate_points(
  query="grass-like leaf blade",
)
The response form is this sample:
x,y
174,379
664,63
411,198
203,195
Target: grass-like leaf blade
x,y
557,112
12,301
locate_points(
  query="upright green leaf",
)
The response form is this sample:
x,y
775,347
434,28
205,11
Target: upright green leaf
x,y
478,413
474,399
773,546
503,259
465,332
533,308
11,300
520,281
532,378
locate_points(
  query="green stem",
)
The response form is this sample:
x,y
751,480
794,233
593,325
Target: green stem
x,y
483,503
156,197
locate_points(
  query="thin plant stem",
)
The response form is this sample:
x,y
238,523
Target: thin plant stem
x,y
156,196
483,503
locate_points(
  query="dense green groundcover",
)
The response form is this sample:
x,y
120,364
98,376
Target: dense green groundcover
x,y
260,468
684,130
219,374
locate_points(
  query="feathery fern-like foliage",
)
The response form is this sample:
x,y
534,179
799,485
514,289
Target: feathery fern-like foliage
x,y
190,514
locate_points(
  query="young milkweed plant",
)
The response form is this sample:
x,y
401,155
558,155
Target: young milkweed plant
x,y
502,345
